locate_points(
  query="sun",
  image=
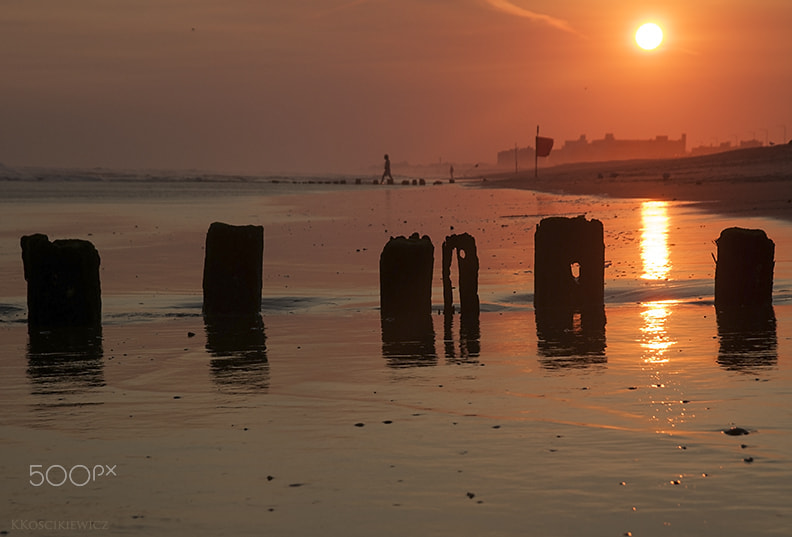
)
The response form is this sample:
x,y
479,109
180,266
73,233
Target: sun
x,y
649,36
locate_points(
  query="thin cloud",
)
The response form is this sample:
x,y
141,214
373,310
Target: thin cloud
x,y
507,7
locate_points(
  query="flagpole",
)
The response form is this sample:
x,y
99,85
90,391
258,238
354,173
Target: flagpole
x,y
536,154
515,158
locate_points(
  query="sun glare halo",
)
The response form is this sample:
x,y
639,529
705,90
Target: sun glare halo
x,y
649,36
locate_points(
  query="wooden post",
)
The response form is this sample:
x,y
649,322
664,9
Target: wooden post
x,y
63,282
516,168
468,266
233,269
536,154
570,304
406,266
560,243
744,269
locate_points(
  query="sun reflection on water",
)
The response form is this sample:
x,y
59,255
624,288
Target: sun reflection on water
x,y
654,240
655,340
656,266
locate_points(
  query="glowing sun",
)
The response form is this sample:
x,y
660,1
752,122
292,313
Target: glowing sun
x,y
649,36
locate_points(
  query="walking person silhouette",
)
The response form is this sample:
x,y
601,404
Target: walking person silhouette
x,y
387,172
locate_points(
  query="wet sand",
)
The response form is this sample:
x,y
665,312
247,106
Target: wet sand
x,y
310,423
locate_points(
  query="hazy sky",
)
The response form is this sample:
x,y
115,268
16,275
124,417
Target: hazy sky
x,y
331,85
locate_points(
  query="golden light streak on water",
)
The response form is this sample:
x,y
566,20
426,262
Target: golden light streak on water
x,y
654,240
655,340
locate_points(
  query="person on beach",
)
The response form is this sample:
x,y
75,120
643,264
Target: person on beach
x,y
387,172
451,172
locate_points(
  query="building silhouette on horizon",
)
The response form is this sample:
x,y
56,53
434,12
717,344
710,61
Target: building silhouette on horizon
x,y
608,148
723,147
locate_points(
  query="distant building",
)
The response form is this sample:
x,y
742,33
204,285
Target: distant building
x,y
723,147
608,148
710,149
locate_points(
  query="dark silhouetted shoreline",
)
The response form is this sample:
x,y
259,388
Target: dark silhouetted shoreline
x,y
746,182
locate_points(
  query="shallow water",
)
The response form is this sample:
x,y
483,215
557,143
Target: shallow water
x,y
310,422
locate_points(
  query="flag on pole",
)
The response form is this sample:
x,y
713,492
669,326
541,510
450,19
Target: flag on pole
x,y
543,146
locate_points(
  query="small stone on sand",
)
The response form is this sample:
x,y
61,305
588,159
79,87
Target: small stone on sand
x,y
736,431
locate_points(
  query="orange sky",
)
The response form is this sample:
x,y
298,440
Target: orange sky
x,y
331,85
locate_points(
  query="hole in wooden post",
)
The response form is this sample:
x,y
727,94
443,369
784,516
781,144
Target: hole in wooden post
x,y
577,323
575,270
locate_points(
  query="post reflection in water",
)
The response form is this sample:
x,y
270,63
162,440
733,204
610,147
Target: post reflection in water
x,y
571,339
469,339
654,240
748,340
65,360
238,347
409,342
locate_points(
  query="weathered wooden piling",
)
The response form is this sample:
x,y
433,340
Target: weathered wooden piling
x,y
63,288
232,277
406,266
744,269
468,266
569,287
563,246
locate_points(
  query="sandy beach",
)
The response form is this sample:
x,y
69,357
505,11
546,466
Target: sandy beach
x,y
310,423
